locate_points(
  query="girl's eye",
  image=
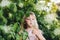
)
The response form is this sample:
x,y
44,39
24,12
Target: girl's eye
x,y
28,19
32,19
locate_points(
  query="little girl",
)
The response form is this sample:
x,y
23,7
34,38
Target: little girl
x,y
31,26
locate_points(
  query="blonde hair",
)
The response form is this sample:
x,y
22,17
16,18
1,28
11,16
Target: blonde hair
x,y
24,24
35,21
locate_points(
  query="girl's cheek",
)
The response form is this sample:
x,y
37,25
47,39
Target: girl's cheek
x,y
27,21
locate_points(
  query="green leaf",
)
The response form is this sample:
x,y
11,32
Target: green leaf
x,y
12,7
0,1
15,26
1,12
17,37
25,35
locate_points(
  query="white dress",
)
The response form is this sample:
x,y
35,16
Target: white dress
x,y
31,36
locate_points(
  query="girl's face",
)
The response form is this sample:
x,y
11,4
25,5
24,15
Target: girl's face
x,y
30,20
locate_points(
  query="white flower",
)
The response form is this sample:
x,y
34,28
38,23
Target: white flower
x,y
56,1
49,18
57,31
49,4
6,28
40,5
5,3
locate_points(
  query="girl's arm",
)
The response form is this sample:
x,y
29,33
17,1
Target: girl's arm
x,y
38,34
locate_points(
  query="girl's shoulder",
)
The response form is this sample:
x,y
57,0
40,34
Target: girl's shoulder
x,y
41,31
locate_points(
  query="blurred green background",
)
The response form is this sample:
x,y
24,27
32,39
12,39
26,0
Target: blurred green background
x,y
12,11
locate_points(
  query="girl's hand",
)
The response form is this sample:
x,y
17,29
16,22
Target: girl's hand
x,y
38,33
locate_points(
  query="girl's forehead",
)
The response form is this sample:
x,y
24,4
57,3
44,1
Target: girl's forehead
x,y
32,16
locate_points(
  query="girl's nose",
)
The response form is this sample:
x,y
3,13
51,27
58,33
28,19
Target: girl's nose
x,y
31,21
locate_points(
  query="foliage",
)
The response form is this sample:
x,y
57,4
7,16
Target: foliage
x,y
11,17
